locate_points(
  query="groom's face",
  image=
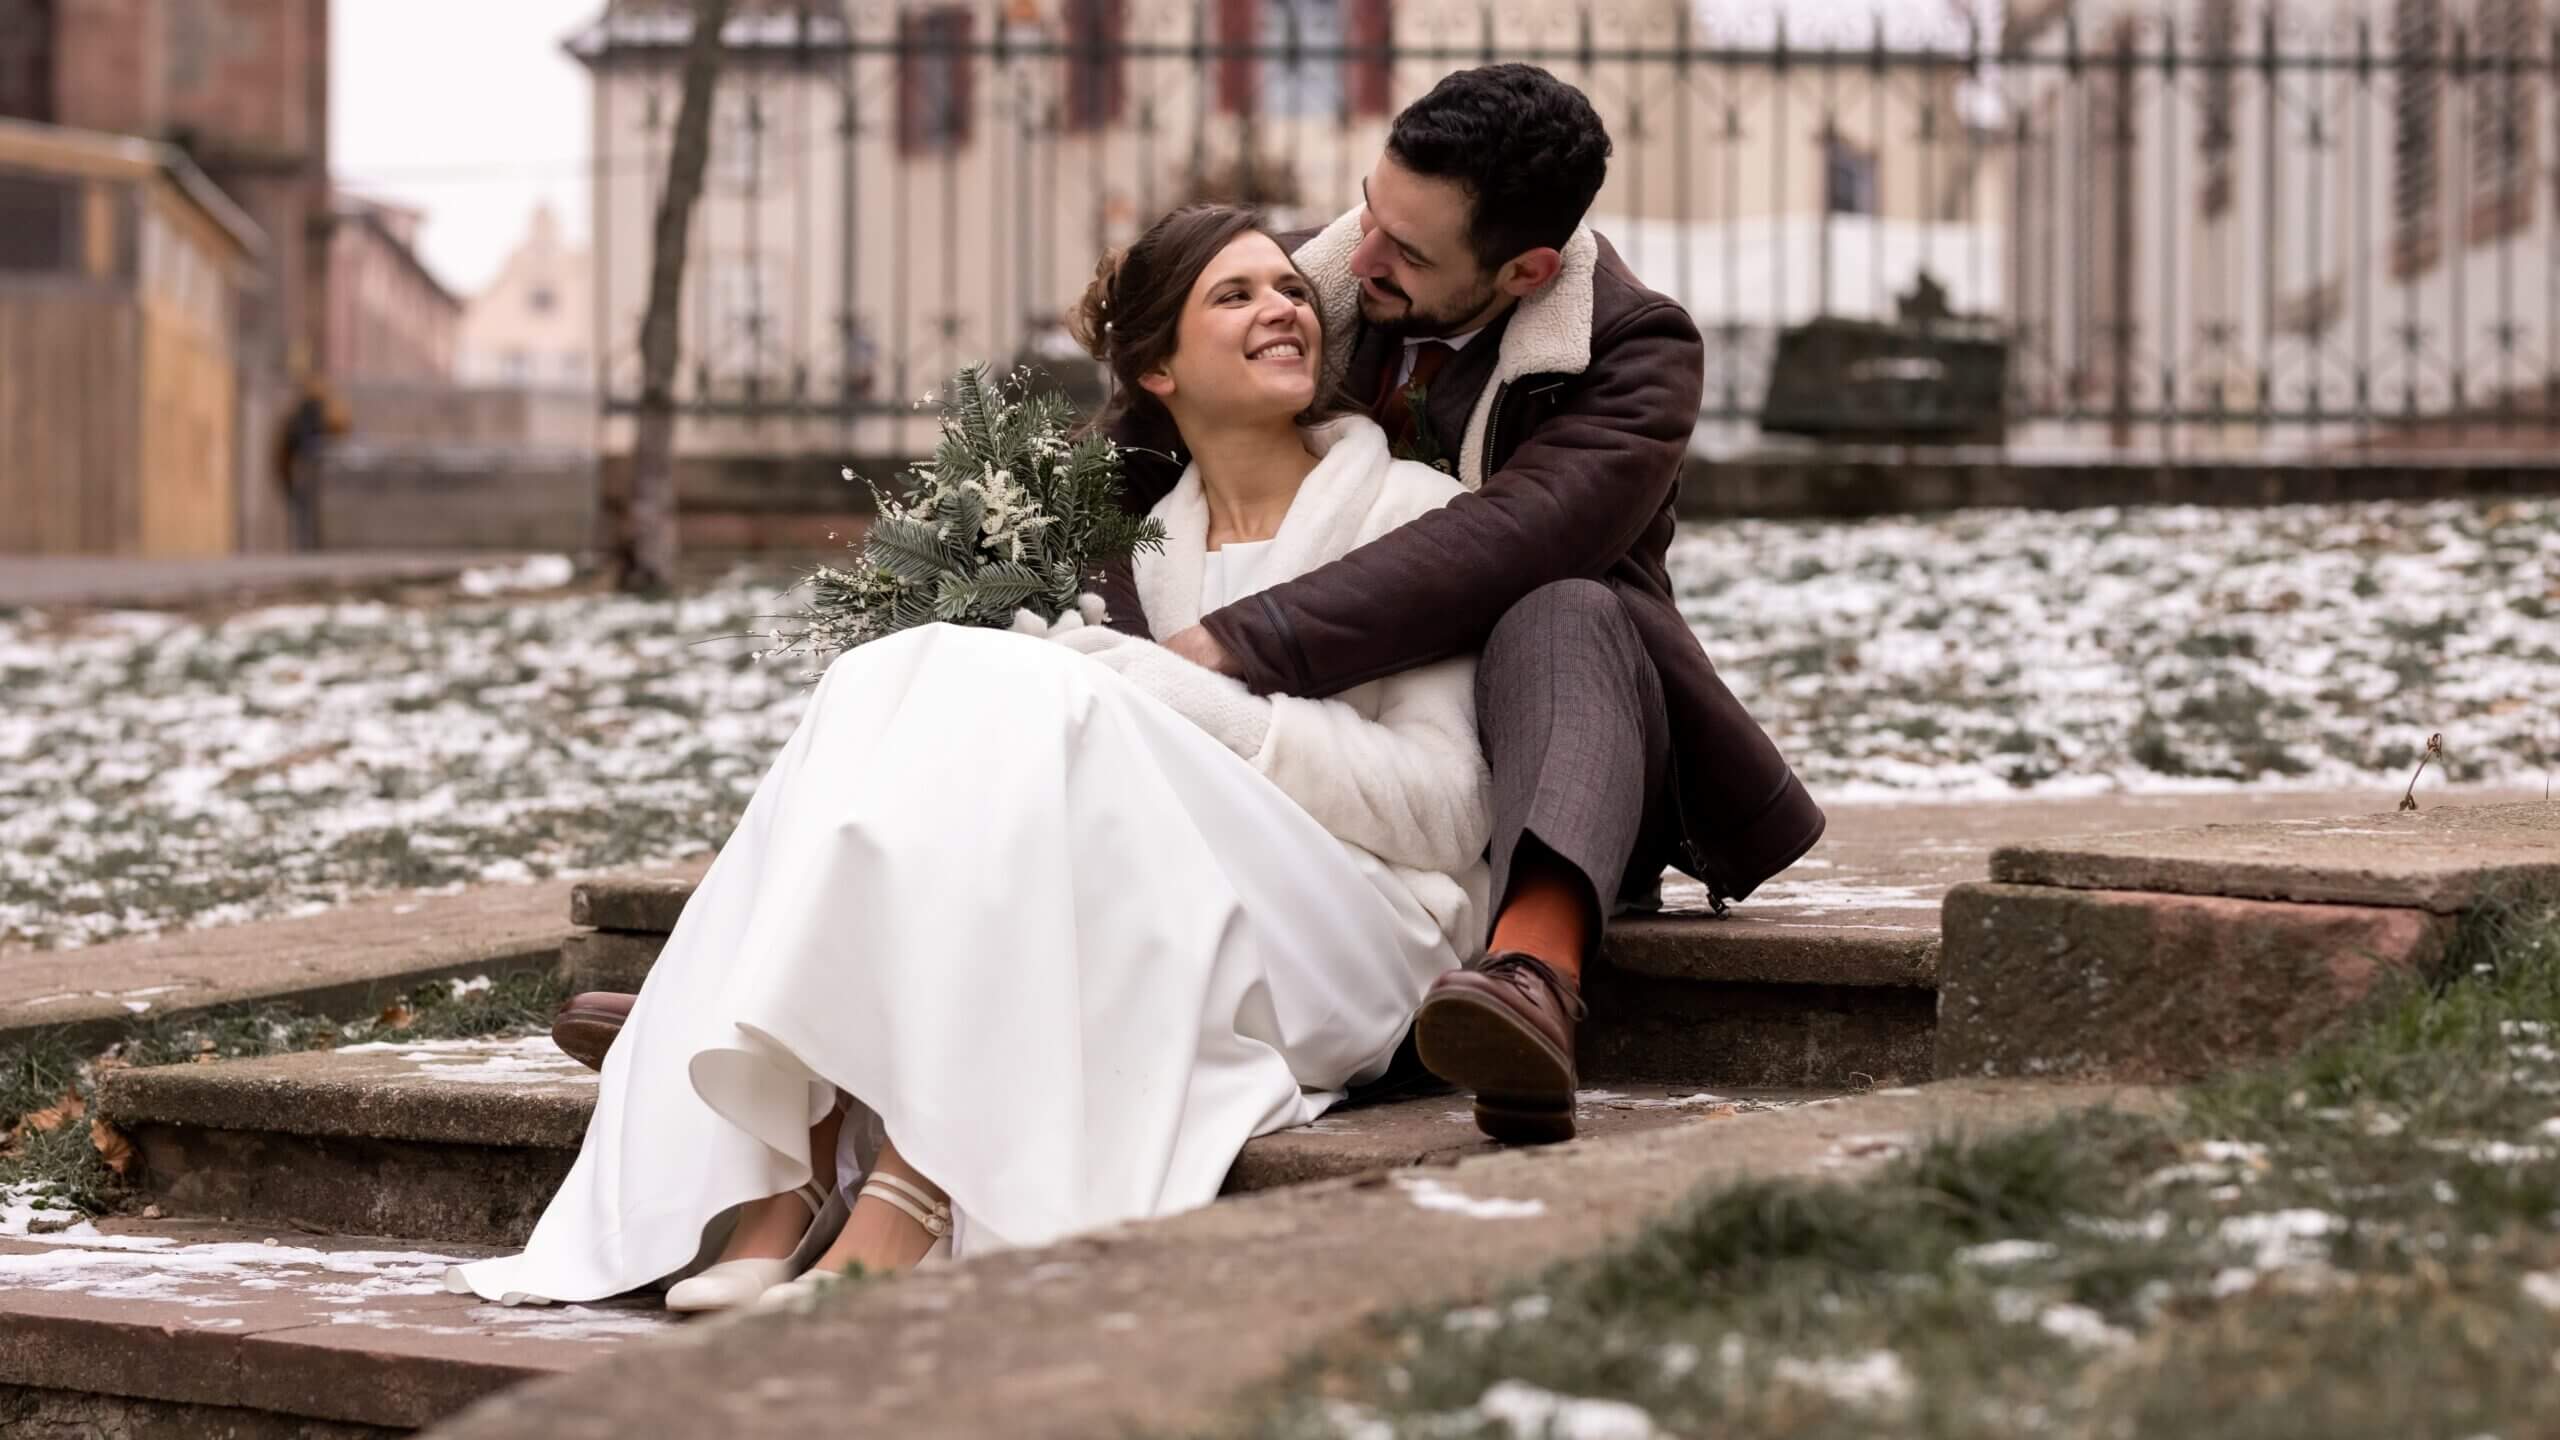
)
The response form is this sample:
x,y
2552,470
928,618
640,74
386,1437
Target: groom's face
x,y
1418,275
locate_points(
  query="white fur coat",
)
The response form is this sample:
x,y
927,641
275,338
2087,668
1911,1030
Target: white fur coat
x,y
1393,766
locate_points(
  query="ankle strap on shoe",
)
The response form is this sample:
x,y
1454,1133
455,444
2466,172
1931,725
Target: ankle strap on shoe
x,y
934,1215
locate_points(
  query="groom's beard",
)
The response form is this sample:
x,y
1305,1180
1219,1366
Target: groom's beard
x,y
1411,323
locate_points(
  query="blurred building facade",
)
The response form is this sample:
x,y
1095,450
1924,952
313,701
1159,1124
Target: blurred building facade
x,y
533,326
123,276
389,320
897,191
240,89
2294,227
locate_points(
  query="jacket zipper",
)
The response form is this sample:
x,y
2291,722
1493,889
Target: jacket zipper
x,y
1493,423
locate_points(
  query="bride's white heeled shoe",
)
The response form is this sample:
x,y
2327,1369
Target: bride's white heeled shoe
x,y
733,1283
934,1215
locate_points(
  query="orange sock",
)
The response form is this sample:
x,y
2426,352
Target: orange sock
x,y
1545,914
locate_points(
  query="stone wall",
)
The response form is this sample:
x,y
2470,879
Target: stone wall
x,y
1835,484
436,414
430,497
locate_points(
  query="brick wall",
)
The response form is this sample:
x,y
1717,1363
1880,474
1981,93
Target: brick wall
x,y
249,76
109,57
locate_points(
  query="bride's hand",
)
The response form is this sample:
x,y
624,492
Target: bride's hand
x,y
1089,613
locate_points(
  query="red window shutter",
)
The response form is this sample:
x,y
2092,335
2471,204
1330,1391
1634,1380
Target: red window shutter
x,y
910,83
936,74
1236,72
1097,68
1371,83
1115,72
962,26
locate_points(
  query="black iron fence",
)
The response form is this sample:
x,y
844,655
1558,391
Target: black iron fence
x,y
2205,224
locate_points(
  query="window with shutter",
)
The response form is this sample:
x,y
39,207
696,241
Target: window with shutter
x,y
1236,26
2504,99
934,74
39,223
2418,48
1370,78
1097,32
2220,134
1312,87
26,60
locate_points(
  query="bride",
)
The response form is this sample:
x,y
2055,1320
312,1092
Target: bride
x,y
1028,933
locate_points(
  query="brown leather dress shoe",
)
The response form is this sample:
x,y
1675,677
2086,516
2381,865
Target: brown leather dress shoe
x,y
584,1025
1504,1029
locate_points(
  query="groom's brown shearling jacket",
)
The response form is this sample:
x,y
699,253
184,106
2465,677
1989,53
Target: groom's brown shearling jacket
x,y
1580,472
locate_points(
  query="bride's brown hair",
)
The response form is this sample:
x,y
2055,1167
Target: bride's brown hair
x,y
1131,315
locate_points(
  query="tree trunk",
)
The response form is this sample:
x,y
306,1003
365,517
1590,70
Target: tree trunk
x,y
645,551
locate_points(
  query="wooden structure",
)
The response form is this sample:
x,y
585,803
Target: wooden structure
x,y
123,276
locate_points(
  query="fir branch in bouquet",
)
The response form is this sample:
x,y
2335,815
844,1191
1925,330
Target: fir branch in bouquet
x,y
1013,511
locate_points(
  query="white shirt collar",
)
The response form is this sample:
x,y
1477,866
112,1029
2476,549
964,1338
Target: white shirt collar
x,y
1454,342
1413,347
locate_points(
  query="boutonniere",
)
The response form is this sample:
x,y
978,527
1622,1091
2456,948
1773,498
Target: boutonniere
x,y
1425,444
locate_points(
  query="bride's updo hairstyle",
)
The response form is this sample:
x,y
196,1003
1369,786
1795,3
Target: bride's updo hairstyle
x,y
1131,315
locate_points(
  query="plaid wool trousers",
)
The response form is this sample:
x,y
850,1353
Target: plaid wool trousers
x,y
1570,712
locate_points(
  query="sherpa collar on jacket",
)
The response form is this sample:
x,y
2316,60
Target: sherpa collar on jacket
x,y
1327,520
1549,333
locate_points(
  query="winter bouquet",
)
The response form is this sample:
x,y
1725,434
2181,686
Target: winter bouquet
x,y
1012,513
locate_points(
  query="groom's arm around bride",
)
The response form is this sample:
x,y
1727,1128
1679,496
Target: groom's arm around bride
x,y
1496,333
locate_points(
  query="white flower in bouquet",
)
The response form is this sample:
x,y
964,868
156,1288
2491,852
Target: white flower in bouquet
x,y
1013,512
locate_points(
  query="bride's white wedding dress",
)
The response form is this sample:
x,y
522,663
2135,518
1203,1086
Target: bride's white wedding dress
x,y
1066,947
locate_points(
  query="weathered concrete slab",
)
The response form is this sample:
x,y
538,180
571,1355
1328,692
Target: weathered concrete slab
x,y
490,1092
648,903
1645,1028
25,1410
447,1140
91,581
1156,1327
345,962
2039,980
332,1329
2441,858
1860,910
1441,1130
468,1140
616,960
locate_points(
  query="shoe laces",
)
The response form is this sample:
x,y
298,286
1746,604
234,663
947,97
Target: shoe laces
x,y
1511,964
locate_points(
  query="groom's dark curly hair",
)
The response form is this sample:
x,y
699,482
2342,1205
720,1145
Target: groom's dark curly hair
x,y
1529,149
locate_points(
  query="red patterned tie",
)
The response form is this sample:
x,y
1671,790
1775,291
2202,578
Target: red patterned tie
x,y
1394,410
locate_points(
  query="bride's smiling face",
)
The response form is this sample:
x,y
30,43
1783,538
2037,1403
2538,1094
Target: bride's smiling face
x,y
1248,343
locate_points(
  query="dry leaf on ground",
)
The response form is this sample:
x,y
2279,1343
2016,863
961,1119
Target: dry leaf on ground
x,y
53,1117
113,1148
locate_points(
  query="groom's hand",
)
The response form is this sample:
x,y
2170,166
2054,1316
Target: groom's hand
x,y
1201,648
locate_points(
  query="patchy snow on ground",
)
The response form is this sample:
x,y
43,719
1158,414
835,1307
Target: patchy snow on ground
x,y
1874,1379
1430,1194
1531,1412
164,770
509,1060
1996,652
35,1208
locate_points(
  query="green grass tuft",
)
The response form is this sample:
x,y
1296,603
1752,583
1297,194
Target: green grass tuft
x,y
65,1164
2156,1291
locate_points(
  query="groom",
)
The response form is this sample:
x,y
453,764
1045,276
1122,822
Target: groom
x,y
1495,336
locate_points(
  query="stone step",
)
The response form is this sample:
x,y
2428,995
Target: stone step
x,y
466,1140
1159,1328
1819,981
2179,954
137,1327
